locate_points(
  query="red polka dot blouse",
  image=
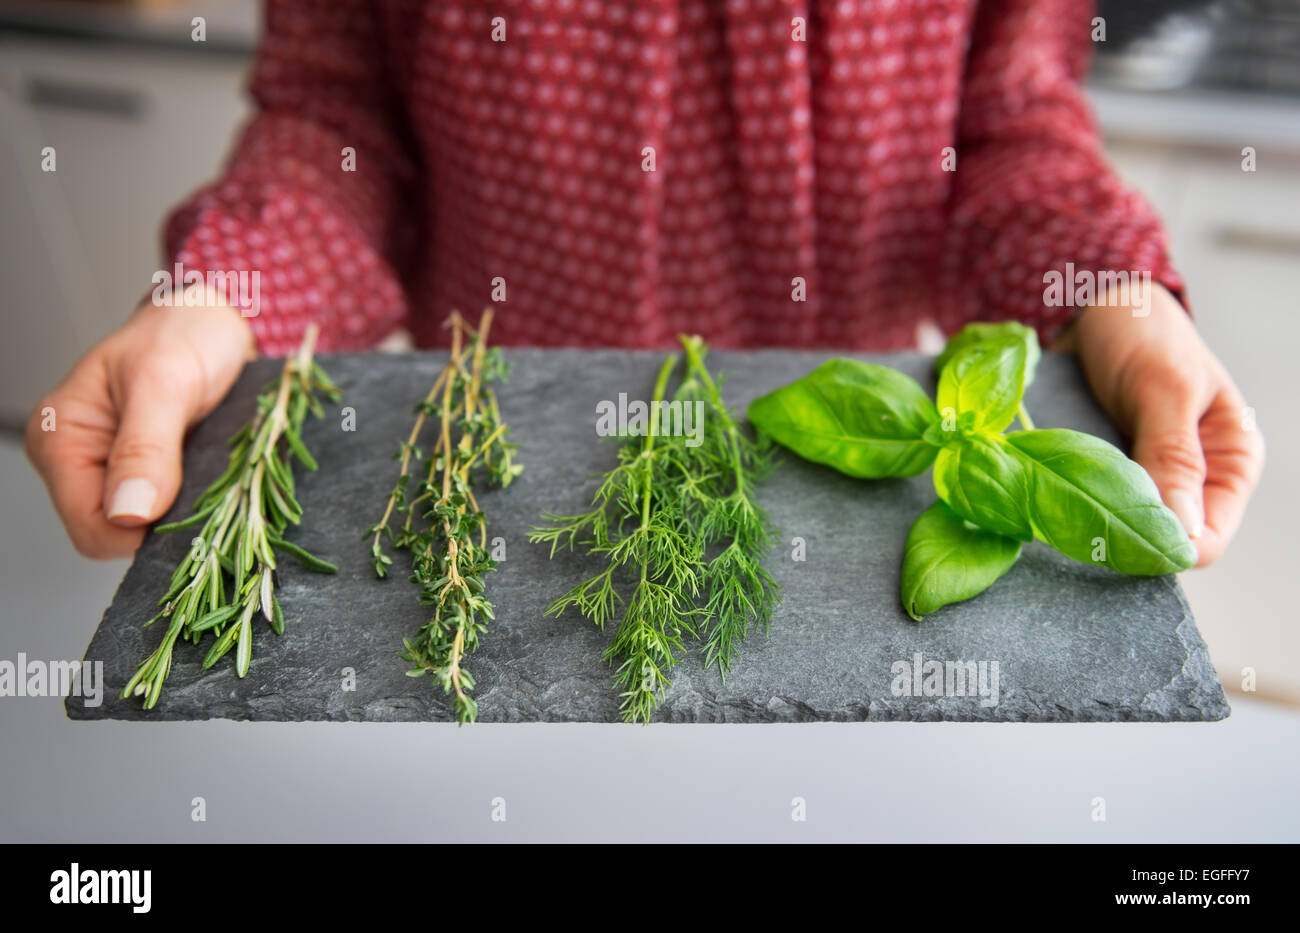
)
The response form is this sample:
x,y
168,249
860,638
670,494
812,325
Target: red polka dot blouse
x,y
791,173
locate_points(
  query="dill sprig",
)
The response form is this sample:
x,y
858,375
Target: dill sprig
x,y
681,520
244,514
645,533
441,525
728,521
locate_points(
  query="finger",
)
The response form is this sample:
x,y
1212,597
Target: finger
x,y
76,488
68,441
1167,442
1234,459
143,473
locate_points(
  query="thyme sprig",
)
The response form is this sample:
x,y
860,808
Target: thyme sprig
x,y
681,519
229,573
439,522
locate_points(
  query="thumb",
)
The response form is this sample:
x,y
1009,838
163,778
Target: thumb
x,y
144,464
1167,442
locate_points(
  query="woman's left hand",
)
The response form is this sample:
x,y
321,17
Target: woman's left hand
x,y
1190,427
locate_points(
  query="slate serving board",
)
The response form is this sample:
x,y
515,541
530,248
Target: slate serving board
x,y
1072,642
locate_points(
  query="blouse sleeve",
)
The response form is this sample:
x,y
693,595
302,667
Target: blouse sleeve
x,y
310,199
1033,191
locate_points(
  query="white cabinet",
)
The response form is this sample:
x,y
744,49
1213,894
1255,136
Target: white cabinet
x,y
133,131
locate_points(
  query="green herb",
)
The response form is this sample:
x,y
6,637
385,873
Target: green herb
x,y
947,559
442,525
864,420
229,574
1092,503
633,524
981,332
1075,492
720,508
680,520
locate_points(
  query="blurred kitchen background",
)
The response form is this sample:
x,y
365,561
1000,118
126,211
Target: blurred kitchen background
x,y
139,114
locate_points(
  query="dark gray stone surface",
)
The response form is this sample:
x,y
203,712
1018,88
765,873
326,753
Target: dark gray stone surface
x,y
1072,642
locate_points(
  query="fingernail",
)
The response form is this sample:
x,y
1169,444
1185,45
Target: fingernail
x,y
1188,511
133,498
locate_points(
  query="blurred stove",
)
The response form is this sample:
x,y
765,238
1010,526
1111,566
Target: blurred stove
x,y
1239,45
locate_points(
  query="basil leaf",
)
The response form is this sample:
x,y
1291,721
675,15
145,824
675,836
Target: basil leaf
x,y
862,419
986,378
984,483
1092,503
947,560
975,333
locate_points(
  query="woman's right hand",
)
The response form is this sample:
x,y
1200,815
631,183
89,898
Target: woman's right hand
x,y
107,441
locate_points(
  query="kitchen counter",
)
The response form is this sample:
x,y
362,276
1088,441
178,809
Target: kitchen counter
x,y
1198,119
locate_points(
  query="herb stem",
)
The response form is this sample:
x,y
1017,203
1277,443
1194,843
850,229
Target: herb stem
x,y
408,448
492,438
695,361
681,504
245,513
661,384
444,528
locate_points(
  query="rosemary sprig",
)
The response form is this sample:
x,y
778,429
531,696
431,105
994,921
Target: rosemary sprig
x,y
442,525
683,520
244,515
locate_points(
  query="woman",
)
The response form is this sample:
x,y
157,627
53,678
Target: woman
x,y
765,173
